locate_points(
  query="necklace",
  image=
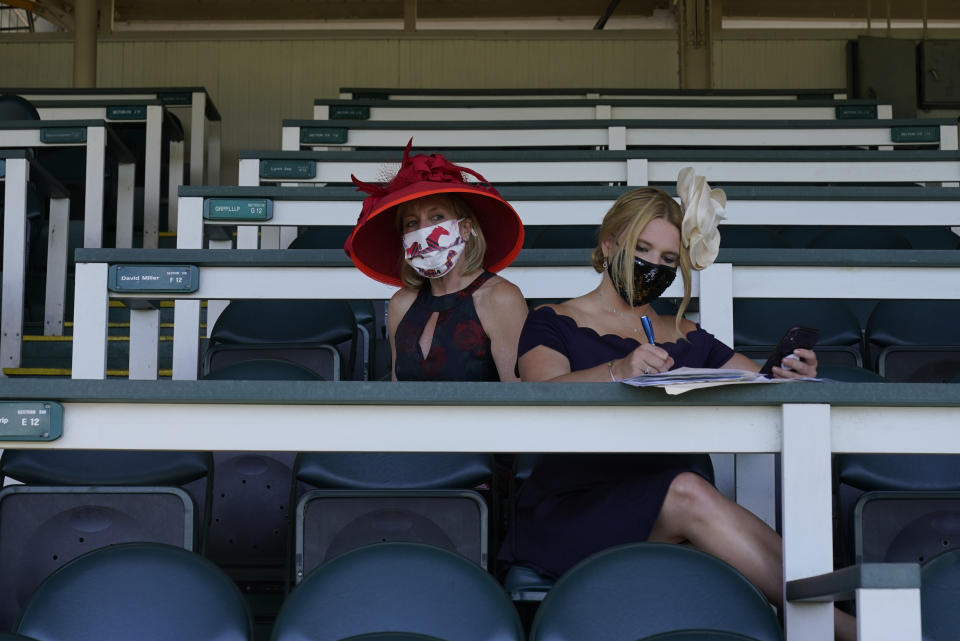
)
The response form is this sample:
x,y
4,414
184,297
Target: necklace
x,y
636,330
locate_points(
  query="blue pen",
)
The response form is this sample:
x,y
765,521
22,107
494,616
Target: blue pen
x,y
647,329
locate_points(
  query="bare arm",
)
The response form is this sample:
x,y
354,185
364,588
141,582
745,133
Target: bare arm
x,y
545,364
502,311
399,304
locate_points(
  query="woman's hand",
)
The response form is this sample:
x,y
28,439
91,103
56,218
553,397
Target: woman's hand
x,y
646,359
804,365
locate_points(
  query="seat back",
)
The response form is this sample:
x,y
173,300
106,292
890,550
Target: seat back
x,y
14,107
638,590
398,588
915,341
939,595
318,334
43,527
391,496
143,591
759,323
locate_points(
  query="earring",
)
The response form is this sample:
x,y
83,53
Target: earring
x,y
605,264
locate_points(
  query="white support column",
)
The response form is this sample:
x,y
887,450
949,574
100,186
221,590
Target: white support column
x,y
213,152
249,172
56,288
186,339
716,301
174,180
290,139
14,262
269,237
190,224
90,310
151,176
807,514
602,112
216,307
287,236
248,237
948,137
888,615
93,200
616,138
144,344
638,172
198,136
126,178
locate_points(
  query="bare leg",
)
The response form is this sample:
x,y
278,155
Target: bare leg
x,y
695,511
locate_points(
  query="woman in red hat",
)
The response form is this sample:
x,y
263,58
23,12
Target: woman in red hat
x,y
442,239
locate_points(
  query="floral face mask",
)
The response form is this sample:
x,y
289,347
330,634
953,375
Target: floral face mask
x,y
433,251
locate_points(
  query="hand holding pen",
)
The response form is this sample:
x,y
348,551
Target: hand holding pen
x,y
646,359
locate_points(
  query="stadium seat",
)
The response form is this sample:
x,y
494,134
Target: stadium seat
x,y
638,590
915,341
13,107
318,334
758,325
398,588
142,591
367,497
939,595
74,502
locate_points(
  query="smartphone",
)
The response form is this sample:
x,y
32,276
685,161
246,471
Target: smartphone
x,y
795,337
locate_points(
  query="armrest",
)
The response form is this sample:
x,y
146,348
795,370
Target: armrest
x,y
842,584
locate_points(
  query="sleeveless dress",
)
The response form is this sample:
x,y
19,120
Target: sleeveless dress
x,y
574,505
461,348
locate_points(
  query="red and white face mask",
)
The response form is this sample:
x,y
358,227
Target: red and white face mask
x,y
433,251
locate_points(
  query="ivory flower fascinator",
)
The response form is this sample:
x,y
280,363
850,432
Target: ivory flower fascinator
x,y
702,212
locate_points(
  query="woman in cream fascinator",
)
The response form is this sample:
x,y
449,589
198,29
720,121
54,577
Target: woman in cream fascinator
x,y
574,505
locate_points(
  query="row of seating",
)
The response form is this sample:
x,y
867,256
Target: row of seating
x,y
408,592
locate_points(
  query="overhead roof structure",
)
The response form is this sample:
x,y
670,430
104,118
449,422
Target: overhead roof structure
x,y
152,15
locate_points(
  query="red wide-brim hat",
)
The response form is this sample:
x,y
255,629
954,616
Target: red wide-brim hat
x,y
375,243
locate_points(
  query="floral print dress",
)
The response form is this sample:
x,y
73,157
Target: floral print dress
x,y
461,348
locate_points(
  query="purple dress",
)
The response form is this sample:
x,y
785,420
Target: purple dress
x,y
574,505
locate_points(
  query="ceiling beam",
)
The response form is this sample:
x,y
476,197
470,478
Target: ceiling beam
x,y
57,12
601,23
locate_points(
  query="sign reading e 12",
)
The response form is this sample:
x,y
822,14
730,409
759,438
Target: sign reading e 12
x,y
30,421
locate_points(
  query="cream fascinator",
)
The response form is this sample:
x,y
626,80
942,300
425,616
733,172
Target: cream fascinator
x,y
702,212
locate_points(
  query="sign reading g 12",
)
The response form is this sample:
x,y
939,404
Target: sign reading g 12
x,y
30,421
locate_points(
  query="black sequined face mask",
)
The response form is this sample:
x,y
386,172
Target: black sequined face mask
x,y
650,280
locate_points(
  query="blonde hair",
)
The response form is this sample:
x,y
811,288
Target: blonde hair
x,y
625,221
475,245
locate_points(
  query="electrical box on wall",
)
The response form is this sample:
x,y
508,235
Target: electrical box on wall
x,y
939,74
885,69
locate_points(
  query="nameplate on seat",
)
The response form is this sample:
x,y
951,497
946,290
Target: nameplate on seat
x,y
63,135
127,112
30,421
349,112
915,134
323,135
240,209
149,279
856,112
175,98
292,169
